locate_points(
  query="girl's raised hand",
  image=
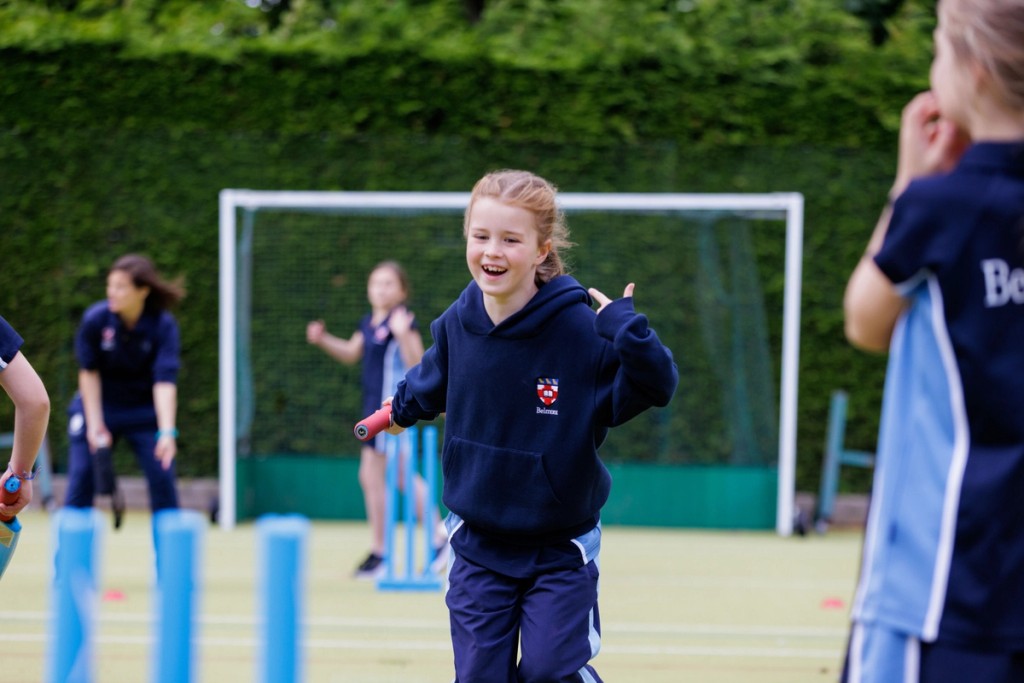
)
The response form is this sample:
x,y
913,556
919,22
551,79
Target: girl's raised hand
x,y
400,321
603,301
928,143
315,331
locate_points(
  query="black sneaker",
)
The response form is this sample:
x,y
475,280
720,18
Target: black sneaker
x,y
371,568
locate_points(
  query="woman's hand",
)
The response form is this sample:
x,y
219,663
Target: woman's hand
x,y
603,301
98,437
166,449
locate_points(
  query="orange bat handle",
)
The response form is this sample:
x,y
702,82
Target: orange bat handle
x,y
374,424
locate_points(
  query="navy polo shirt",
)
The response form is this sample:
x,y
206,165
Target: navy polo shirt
x,y
129,361
944,551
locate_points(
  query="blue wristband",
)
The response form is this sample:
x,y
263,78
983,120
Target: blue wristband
x,y
24,476
173,433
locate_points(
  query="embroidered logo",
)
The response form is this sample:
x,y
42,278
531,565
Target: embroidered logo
x,y
107,338
547,390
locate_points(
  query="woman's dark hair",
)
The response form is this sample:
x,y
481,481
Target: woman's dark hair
x,y
162,294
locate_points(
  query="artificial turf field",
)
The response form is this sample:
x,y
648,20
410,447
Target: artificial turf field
x,y
676,606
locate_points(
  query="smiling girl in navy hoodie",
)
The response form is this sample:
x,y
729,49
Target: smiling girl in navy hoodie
x,y
530,380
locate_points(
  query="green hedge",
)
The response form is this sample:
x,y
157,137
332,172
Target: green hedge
x,y
119,127
725,72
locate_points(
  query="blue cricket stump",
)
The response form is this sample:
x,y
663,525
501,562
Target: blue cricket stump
x,y
412,580
76,533
282,543
179,536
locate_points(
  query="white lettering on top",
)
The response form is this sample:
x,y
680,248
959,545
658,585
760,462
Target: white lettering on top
x,y
1002,285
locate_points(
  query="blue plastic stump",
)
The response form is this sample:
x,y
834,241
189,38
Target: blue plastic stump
x,y
179,535
283,541
392,449
836,455
411,579
74,600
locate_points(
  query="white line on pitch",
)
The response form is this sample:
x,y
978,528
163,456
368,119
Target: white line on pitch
x,y
393,645
725,630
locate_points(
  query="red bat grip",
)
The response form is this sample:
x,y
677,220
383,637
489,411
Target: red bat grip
x,y
374,424
9,495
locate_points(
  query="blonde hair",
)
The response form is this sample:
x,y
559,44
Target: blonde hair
x,y
991,33
531,192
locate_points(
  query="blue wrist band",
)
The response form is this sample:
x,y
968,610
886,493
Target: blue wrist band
x,y
160,433
24,476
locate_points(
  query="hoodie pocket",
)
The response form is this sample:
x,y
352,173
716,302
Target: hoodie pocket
x,y
502,489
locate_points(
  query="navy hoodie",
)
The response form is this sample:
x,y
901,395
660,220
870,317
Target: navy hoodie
x,y
529,401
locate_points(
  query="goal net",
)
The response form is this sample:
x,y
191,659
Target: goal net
x,y
718,276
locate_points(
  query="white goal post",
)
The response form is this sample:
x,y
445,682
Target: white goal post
x,y
790,204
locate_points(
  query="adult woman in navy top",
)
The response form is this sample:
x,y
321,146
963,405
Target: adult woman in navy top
x,y
128,355
941,287
31,414
530,380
